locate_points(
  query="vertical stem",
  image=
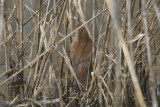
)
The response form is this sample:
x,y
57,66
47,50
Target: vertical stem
x,y
117,93
38,44
85,9
156,10
19,48
21,39
151,75
55,20
93,31
1,28
128,8
44,22
18,32
71,16
39,18
115,14
21,23
60,67
6,52
16,89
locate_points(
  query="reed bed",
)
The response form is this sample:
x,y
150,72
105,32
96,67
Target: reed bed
x,y
38,68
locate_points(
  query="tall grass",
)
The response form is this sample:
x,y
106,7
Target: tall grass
x,y
124,62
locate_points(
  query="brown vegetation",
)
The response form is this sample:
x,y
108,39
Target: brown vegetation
x,y
96,53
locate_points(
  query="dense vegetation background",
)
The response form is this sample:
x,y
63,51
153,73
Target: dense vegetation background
x,y
35,61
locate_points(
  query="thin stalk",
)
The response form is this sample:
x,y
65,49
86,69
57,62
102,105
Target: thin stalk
x,y
118,90
152,82
93,32
128,8
114,11
1,28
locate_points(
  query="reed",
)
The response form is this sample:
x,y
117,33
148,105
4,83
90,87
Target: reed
x,y
69,53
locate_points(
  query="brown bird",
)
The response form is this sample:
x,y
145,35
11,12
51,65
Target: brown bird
x,y
81,55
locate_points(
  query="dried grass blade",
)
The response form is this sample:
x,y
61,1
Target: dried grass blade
x,y
116,19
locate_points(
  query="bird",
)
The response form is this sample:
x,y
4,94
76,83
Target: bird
x,y
81,49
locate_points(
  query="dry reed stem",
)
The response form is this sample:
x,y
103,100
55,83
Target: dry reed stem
x,y
70,34
81,14
151,75
116,18
62,14
1,27
25,67
118,79
60,65
156,10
